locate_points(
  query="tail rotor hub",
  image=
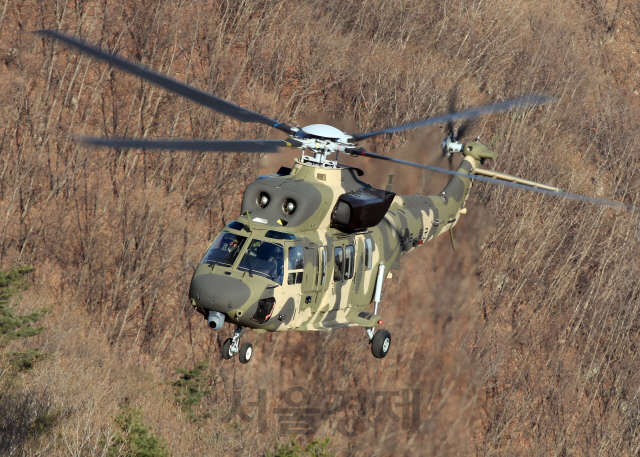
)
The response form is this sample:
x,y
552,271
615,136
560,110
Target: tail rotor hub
x,y
450,145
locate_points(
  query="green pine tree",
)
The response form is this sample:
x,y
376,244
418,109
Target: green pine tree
x,y
191,387
316,448
134,438
12,326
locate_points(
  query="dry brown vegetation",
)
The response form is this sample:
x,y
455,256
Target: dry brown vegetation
x,y
524,341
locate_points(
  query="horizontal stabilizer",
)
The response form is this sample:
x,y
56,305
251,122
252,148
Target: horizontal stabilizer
x,y
515,179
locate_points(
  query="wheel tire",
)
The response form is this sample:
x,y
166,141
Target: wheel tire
x,y
381,343
245,352
226,349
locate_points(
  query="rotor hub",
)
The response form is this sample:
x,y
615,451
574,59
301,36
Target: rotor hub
x,y
322,140
323,131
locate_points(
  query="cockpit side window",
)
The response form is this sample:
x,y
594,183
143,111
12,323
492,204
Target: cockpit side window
x,y
224,250
296,262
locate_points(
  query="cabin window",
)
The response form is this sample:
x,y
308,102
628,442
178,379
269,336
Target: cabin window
x,y
338,263
296,262
349,257
368,252
323,266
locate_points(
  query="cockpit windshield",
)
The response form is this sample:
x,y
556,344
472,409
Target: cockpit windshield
x,y
265,259
224,249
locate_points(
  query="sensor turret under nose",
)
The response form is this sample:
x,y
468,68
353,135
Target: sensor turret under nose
x,y
215,320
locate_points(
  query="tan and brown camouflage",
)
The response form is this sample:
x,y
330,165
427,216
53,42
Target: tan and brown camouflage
x,y
318,301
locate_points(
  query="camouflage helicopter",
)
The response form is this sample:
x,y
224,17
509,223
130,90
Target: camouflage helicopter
x,y
313,242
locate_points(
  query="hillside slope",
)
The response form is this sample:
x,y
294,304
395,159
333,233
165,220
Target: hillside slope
x,y
523,341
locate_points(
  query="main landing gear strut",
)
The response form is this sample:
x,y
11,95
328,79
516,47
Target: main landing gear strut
x,y
380,341
232,346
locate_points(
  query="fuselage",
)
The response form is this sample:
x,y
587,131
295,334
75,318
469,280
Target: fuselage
x,y
276,269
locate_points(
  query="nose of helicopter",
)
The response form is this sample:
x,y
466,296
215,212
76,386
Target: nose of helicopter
x,y
218,292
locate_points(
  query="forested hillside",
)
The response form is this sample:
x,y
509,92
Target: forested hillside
x,y
522,342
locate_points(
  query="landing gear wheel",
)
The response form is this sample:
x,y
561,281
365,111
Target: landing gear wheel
x,y
226,349
381,343
245,352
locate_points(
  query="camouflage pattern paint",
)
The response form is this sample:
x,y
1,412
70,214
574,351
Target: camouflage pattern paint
x,y
318,300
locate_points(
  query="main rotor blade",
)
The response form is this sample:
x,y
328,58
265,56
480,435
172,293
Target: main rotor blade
x,y
578,197
451,106
190,92
522,102
253,146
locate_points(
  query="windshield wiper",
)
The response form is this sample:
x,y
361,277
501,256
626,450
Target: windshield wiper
x,y
278,275
250,266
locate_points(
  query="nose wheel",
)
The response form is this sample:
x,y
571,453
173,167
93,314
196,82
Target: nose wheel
x,y
232,347
226,349
245,352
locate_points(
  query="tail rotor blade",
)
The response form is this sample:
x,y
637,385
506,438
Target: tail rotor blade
x,y
466,125
453,100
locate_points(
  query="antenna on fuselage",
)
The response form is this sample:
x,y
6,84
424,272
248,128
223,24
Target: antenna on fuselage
x,y
390,183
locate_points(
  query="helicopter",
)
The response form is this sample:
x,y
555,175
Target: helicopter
x,y
314,242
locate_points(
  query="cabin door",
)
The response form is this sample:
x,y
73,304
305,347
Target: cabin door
x,y
344,256
293,277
